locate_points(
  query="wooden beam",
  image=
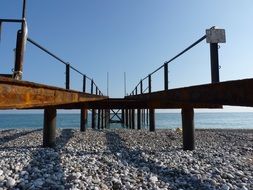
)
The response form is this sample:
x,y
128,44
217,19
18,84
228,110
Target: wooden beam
x,y
16,94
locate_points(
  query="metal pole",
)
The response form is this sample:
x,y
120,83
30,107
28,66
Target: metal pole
x,y
83,118
214,62
141,88
125,83
133,118
84,83
151,119
166,76
67,76
138,119
93,118
102,119
107,83
122,116
188,128
91,87
20,46
98,120
127,118
49,129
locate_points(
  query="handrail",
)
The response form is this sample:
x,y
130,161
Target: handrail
x,y
64,62
165,63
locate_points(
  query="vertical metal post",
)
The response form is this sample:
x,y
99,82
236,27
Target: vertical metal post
x,y
136,91
188,128
214,62
138,119
91,87
130,118
83,118
102,119
151,119
49,129
67,75
133,118
151,111
166,76
141,87
149,84
96,90
84,83
20,46
122,116
98,120
93,118
127,118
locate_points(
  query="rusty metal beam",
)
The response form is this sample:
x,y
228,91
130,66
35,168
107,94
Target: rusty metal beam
x,y
233,93
16,94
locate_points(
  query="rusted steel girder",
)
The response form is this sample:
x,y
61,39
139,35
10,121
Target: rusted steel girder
x,y
16,94
233,93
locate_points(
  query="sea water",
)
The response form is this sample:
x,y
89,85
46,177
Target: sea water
x,y
240,120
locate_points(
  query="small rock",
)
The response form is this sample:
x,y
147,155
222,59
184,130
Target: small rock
x,y
240,173
153,179
225,187
244,188
10,182
1,172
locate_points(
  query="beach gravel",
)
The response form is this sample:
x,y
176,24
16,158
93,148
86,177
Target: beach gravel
x,y
126,159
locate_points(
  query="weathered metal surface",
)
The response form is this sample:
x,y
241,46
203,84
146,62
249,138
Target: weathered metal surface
x,y
151,119
188,128
49,129
233,93
16,94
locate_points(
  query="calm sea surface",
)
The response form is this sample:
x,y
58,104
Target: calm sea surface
x,y
163,120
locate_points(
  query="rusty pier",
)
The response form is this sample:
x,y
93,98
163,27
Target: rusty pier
x,y
134,110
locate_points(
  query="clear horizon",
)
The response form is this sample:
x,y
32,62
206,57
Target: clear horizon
x,y
134,37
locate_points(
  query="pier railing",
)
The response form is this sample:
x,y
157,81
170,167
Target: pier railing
x,y
93,86
22,38
212,36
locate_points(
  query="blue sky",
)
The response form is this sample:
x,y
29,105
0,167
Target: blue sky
x,y
131,36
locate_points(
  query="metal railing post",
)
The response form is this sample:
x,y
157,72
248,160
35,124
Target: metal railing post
x,y
84,83
166,76
91,87
214,62
67,76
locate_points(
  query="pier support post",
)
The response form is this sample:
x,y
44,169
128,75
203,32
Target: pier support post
x,y
133,118
147,117
98,120
93,118
83,119
151,119
188,128
126,118
138,119
122,116
49,129
102,119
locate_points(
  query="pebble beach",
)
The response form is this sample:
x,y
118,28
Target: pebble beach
x,y
126,159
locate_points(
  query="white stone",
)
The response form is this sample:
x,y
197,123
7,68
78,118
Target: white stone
x,y
1,172
10,182
153,179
